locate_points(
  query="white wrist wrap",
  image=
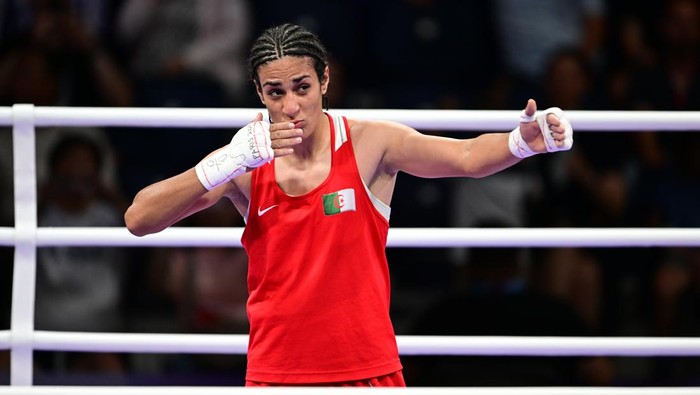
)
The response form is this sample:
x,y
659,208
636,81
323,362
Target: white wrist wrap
x,y
549,142
250,147
518,146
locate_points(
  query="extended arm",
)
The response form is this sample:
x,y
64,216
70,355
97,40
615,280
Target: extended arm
x,y
432,156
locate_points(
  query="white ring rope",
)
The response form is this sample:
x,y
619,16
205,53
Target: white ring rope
x,y
398,237
120,390
26,237
457,120
550,346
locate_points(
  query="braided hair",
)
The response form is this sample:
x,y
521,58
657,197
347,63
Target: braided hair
x,y
286,40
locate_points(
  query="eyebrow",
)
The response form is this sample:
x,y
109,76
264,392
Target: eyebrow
x,y
295,80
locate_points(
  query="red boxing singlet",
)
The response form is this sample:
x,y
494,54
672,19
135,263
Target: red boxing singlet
x,y
318,277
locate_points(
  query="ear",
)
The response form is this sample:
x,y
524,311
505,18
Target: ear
x,y
325,81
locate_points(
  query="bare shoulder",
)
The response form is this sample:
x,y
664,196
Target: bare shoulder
x,y
373,141
376,130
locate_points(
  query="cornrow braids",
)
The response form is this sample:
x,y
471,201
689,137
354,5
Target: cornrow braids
x,y
286,40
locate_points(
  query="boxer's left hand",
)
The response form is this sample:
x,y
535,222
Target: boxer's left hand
x,y
548,131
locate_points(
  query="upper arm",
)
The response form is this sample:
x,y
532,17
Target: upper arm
x,y
428,156
422,155
239,193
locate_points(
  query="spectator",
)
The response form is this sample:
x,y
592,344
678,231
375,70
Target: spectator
x,y
669,167
428,35
96,16
79,288
677,297
497,299
59,62
524,32
598,185
184,51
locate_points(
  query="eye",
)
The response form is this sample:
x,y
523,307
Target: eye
x,y
274,93
303,88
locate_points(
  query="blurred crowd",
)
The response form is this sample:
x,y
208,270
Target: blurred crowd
x,y
407,54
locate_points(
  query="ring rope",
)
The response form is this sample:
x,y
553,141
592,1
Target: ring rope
x,y
398,237
552,346
26,237
125,390
454,120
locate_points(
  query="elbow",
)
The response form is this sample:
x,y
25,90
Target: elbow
x,y
479,174
135,222
470,171
474,169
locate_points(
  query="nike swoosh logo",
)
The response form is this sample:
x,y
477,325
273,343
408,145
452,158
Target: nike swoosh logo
x,y
261,212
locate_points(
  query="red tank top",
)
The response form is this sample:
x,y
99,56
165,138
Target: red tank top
x,y
318,277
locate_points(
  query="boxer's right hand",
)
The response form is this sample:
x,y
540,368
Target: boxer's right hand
x,y
250,147
284,137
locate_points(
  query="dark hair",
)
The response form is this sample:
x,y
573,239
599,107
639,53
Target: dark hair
x,y
286,40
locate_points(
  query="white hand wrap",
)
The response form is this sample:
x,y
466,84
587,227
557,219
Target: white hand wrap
x,y
518,146
549,141
250,147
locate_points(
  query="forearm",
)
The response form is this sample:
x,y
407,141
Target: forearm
x,y
164,203
488,154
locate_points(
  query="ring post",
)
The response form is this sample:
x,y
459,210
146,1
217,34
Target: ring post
x,y
24,270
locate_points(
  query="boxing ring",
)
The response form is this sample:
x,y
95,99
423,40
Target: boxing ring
x,y
22,339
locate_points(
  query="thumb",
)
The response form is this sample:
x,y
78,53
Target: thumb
x,y
530,108
258,117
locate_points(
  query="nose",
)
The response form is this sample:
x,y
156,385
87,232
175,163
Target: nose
x,y
290,106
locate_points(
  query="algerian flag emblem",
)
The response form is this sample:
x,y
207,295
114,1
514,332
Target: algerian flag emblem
x,y
338,202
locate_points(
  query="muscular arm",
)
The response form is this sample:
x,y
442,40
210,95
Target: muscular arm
x,y
224,171
164,203
432,156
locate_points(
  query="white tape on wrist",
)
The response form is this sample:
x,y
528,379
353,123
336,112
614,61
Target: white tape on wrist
x,y
518,146
250,147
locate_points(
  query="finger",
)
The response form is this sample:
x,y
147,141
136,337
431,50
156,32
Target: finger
x,y
553,120
286,142
258,118
528,113
560,143
530,108
286,133
557,129
283,147
281,126
558,136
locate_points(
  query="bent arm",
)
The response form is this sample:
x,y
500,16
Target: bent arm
x,y
432,156
162,204
166,202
